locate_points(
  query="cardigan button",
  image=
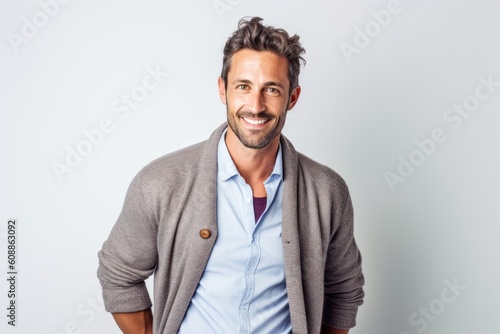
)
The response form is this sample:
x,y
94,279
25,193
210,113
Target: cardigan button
x,y
205,233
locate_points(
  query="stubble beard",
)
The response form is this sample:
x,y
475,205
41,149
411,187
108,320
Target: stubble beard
x,y
255,141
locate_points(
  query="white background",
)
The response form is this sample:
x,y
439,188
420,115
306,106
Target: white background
x,y
357,114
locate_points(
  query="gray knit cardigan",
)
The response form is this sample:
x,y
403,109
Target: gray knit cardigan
x,y
173,198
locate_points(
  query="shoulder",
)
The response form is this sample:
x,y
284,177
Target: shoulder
x,y
166,179
313,177
179,170
174,164
169,171
321,177
314,171
318,170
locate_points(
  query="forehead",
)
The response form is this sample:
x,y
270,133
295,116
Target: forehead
x,y
265,64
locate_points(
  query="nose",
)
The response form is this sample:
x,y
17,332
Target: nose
x,y
255,102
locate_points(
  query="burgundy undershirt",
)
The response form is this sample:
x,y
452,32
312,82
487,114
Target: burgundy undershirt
x,y
259,205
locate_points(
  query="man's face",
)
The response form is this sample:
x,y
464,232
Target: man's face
x,y
257,97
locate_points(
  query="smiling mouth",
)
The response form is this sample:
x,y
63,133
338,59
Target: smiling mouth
x,y
255,121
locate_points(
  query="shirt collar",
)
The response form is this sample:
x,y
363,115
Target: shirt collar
x,y
227,168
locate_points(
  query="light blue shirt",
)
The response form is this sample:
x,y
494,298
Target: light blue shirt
x,y
243,288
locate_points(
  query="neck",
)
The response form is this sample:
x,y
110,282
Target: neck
x,y
254,165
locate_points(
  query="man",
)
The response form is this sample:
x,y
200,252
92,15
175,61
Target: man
x,y
243,233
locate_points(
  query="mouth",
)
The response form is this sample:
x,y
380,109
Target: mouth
x,y
255,121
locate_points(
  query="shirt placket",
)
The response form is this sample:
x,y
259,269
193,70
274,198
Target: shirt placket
x,y
252,258
253,247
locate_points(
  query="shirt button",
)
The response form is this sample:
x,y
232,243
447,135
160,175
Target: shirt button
x,y
205,233
249,200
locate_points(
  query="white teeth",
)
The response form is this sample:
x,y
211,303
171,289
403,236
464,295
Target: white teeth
x,y
255,121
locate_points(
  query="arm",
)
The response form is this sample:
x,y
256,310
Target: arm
x,y
343,273
136,322
330,330
128,258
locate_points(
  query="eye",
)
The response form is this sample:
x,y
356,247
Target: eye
x,y
242,87
273,91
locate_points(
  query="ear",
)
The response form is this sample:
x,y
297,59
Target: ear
x,y
294,97
222,90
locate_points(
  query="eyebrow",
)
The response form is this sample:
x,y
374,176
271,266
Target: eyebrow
x,y
267,84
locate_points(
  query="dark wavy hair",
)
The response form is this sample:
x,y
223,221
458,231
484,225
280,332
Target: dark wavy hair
x,y
251,34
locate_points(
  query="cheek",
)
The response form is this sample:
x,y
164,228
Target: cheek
x,y
235,101
279,105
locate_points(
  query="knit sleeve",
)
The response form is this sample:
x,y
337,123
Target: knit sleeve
x,y
128,257
343,274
